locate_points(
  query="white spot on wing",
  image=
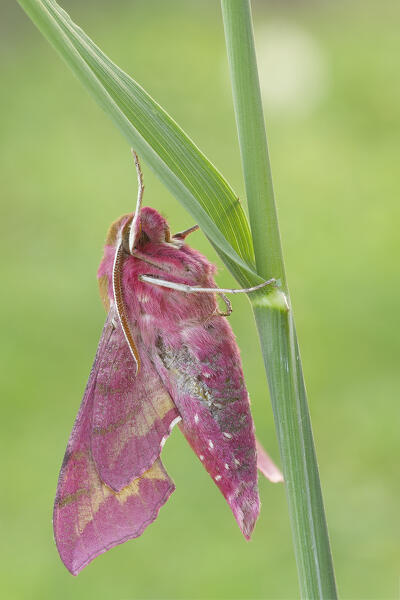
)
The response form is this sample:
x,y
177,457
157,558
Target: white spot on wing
x,y
210,444
196,418
227,435
227,466
218,477
237,462
201,457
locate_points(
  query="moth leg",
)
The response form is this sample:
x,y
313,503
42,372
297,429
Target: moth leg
x,y
228,306
219,313
182,234
192,289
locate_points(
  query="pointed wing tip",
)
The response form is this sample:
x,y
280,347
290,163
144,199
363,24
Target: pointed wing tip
x,y
75,570
246,510
75,566
248,528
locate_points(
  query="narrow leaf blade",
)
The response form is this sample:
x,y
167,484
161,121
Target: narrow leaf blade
x,y
183,168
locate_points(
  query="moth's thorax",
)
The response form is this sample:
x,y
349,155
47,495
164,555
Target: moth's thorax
x,y
180,265
156,254
153,228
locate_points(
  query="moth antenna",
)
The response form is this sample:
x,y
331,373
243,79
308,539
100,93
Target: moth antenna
x,y
120,305
135,224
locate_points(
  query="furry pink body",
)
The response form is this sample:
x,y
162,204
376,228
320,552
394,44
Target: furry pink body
x,y
196,356
190,371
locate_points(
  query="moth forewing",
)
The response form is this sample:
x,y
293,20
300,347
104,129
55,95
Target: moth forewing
x,y
89,516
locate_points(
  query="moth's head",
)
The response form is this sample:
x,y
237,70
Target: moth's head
x,y
153,227
150,226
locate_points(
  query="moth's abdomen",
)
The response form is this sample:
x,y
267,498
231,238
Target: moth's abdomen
x,y
209,391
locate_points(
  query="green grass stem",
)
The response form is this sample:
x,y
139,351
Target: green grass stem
x,y
276,327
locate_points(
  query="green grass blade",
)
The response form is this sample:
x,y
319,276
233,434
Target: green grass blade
x,y
156,137
252,140
276,327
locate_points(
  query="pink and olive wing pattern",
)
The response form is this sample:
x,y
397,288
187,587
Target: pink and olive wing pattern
x,y
133,414
202,371
89,517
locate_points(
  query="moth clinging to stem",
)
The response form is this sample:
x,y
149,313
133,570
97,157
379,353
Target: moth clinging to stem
x,y
166,355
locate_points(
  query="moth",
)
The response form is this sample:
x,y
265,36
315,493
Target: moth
x,y
166,355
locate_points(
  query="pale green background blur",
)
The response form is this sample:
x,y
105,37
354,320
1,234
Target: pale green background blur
x,y
331,83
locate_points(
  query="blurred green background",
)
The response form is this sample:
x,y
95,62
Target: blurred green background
x,y
330,81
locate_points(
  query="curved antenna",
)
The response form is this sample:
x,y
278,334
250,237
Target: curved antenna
x,y
120,305
135,224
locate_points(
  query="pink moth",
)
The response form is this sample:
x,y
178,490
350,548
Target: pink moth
x,y
166,355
